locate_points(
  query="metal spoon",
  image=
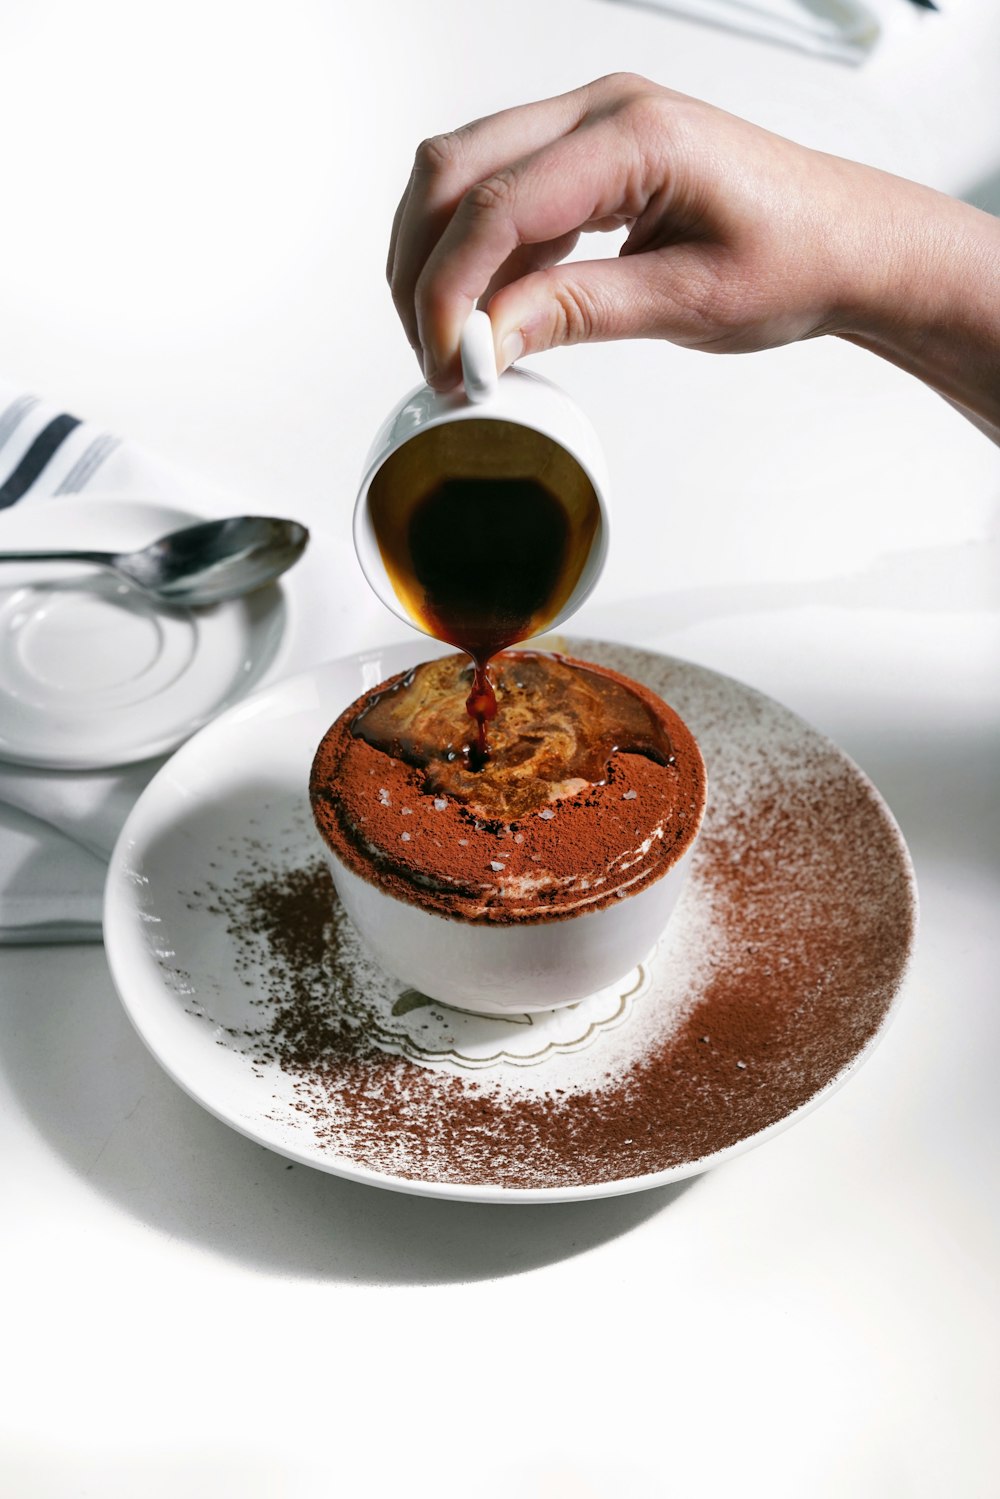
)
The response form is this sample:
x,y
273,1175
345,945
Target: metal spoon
x,y
203,564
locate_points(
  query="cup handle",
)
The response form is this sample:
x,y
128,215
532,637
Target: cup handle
x,y
479,364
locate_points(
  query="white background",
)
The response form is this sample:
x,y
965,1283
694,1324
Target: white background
x,y
195,201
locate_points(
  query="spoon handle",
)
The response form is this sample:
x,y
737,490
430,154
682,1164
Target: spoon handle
x,y
103,559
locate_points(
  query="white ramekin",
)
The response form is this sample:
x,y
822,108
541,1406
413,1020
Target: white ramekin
x,y
518,968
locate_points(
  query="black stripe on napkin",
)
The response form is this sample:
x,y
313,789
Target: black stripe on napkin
x,y
45,445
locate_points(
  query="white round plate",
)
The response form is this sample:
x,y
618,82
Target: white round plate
x,y
775,979
92,674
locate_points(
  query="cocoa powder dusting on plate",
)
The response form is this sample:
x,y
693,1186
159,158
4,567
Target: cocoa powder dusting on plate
x,y
778,970
793,933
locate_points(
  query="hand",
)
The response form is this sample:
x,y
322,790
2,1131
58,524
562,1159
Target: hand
x,y
736,237
738,240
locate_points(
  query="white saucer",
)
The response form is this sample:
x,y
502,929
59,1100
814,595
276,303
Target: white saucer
x,y
776,977
92,674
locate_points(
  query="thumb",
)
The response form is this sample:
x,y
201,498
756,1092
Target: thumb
x,y
662,294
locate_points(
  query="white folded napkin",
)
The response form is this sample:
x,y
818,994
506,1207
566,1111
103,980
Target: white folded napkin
x,y
50,887
845,30
57,828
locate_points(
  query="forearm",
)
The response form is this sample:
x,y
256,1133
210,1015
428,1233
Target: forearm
x,y
929,298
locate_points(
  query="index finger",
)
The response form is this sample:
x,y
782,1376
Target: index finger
x,y
447,166
574,183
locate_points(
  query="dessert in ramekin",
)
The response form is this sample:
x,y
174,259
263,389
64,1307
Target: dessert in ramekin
x,y
535,879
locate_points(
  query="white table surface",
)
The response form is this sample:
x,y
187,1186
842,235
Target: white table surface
x,y
196,199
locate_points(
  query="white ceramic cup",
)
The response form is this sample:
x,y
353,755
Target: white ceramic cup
x,y
520,399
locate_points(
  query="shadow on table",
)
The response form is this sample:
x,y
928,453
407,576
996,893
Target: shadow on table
x,y
89,1086
955,578
985,194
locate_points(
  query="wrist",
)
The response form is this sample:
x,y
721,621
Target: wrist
x,y
926,295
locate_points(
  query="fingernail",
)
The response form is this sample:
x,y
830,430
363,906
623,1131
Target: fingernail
x,y
512,348
430,367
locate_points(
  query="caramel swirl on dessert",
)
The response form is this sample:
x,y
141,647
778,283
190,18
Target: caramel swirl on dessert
x,y
555,730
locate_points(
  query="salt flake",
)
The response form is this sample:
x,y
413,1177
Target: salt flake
x,y
404,837
495,864
439,804
546,814
630,796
